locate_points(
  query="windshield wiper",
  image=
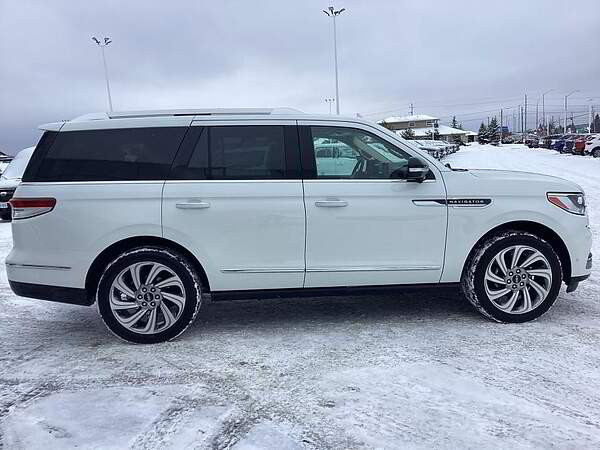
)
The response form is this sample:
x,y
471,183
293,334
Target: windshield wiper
x,y
453,169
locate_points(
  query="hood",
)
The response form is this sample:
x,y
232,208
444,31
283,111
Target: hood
x,y
507,182
513,175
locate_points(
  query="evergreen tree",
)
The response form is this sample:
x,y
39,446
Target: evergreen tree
x,y
454,122
408,134
493,130
460,126
482,132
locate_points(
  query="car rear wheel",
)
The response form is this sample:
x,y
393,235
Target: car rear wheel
x,y
513,277
596,152
148,295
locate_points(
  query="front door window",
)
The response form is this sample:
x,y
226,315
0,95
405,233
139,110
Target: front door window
x,y
354,154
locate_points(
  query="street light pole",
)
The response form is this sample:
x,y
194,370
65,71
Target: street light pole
x,y
566,112
329,101
331,12
102,44
544,110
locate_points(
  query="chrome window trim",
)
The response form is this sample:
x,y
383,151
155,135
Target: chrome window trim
x,y
96,183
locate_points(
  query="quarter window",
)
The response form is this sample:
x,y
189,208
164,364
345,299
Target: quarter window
x,y
109,155
355,154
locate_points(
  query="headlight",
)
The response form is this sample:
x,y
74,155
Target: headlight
x,y
573,203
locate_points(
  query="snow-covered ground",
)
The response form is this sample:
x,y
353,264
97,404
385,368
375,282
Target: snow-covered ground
x,y
419,370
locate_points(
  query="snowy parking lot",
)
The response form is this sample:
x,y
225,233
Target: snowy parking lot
x,y
418,370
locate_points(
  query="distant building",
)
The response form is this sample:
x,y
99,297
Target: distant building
x,y
422,126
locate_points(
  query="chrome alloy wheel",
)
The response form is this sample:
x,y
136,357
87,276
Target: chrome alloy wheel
x,y
147,297
518,279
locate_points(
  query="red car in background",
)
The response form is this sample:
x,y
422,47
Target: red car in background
x,y
579,146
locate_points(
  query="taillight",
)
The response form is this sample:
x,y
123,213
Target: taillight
x,y
23,208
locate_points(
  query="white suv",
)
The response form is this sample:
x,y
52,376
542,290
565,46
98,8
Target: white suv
x,y
592,145
151,214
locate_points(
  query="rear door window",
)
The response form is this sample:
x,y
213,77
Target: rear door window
x,y
247,152
110,155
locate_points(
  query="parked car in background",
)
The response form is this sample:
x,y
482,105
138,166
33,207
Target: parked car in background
x,y
151,214
4,161
10,179
579,146
592,145
559,144
438,149
532,141
547,141
570,143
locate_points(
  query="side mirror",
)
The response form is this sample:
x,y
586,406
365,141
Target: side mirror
x,y
416,170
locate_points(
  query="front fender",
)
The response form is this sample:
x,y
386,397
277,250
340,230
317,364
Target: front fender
x,y
467,225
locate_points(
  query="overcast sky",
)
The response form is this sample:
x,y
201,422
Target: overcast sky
x,y
447,57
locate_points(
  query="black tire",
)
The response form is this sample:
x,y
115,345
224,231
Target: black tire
x,y
596,152
473,279
181,317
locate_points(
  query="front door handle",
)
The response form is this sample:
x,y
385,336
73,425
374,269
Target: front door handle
x,y
193,204
332,203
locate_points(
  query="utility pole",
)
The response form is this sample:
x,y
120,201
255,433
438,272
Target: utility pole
x,y
333,14
501,130
520,119
411,109
102,46
525,116
566,107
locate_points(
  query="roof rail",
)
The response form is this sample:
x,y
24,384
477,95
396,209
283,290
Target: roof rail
x,y
196,112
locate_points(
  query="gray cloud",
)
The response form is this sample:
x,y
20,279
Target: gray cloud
x,y
461,57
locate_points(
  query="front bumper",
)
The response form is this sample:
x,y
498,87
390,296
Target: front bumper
x,y
573,283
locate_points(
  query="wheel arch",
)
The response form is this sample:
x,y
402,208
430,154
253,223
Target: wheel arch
x,y
112,251
537,229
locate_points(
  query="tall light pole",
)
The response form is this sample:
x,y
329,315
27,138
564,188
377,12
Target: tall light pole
x,y
102,44
544,109
331,12
566,97
329,101
591,119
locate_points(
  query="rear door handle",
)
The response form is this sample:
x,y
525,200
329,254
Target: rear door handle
x,y
195,204
331,203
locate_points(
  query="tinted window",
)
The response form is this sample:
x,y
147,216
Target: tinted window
x,y
237,152
351,153
105,155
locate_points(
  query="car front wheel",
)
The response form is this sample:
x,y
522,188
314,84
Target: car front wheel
x,y
514,276
148,295
596,152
